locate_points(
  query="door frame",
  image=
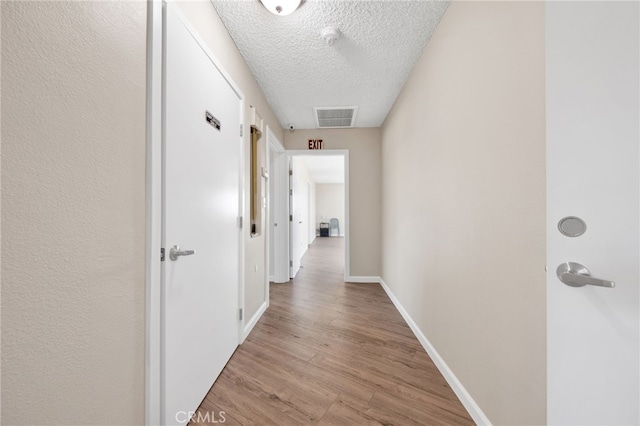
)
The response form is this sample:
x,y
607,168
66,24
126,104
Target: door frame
x,y
347,229
154,331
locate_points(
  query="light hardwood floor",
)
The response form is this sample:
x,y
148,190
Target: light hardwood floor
x,y
331,353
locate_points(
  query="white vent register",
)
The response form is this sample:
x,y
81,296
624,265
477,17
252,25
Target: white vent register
x,y
335,117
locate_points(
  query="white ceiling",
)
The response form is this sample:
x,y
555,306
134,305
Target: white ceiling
x,y
379,45
324,168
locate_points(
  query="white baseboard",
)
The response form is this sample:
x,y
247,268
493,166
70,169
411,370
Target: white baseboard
x,y
472,407
367,280
254,320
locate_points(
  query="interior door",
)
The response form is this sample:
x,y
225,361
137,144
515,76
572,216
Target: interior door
x,y
201,208
311,216
593,154
299,214
295,210
302,215
279,178
272,223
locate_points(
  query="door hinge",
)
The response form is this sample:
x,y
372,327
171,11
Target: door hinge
x,y
290,218
241,130
240,222
162,254
291,263
240,314
291,192
290,172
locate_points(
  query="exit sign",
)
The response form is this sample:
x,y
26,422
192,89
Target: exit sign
x,y
316,144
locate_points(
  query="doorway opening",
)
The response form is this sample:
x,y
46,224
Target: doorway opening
x,y
315,203
318,202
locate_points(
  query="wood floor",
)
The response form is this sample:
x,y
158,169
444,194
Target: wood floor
x,y
331,353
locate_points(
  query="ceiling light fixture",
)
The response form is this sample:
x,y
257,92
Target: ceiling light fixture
x,y
281,7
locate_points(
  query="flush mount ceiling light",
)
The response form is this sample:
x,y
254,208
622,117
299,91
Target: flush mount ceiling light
x,y
281,7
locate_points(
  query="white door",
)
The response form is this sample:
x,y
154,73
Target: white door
x,y
294,228
301,194
272,221
299,212
593,172
201,208
311,217
278,178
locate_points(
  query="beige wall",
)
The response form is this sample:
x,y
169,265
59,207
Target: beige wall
x,y
330,203
364,191
208,25
73,218
464,203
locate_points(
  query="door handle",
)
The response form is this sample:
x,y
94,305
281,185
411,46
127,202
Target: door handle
x,y
575,275
175,252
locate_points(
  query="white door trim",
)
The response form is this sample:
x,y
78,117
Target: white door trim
x,y
153,276
345,154
154,404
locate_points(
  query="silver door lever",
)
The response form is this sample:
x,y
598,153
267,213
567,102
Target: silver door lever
x,y
575,275
175,252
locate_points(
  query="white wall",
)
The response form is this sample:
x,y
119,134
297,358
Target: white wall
x,y
330,203
463,165
73,212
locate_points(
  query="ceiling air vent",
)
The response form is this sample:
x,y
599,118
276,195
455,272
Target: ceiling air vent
x,y
335,117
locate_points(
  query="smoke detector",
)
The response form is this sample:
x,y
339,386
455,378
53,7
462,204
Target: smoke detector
x,y
330,35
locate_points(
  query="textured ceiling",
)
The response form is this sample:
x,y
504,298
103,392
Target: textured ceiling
x,y
325,168
380,42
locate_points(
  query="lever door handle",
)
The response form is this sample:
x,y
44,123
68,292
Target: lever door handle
x,y
175,252
575,275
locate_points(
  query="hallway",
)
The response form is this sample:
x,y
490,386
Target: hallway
x,y
326,352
